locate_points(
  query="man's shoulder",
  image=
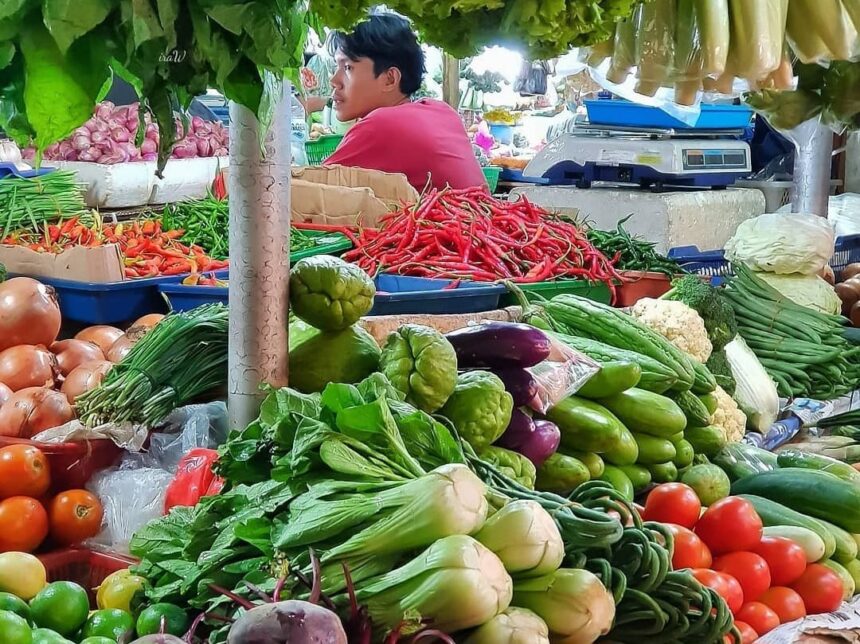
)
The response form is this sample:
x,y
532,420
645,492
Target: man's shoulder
x,y
414,110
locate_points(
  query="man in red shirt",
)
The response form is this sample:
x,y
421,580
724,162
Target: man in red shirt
x,y
379,66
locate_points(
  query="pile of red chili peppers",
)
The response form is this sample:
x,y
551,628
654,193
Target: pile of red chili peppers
x,y
467,234
147,250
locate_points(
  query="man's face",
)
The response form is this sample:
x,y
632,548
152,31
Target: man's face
x,y
357,91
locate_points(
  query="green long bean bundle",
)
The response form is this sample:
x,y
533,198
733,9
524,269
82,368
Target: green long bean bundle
x,y
181,358
28,203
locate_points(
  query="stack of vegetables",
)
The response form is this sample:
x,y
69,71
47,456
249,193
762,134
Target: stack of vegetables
x,y
29,203
147,249
692,45
468,234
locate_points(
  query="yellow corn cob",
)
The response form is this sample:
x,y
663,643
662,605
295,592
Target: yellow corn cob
x,y
713,20
655,45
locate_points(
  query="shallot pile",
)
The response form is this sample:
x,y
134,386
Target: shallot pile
x,y
41,377
109,138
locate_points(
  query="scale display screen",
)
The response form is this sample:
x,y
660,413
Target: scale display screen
x,y
714,159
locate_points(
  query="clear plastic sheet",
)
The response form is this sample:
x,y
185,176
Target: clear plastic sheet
x,y
561,375
844,214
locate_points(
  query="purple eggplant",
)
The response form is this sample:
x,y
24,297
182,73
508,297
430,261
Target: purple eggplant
x,y
520,384
499,345
543,443
519,431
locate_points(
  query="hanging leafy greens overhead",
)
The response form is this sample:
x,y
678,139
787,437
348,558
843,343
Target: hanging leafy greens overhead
x,y
57,58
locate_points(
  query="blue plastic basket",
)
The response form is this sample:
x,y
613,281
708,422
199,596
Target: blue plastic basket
x,y
400,295
623,113
181,298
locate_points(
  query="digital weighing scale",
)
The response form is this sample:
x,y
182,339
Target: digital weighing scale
x,y
641,156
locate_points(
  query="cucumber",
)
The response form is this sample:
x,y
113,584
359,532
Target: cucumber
x,y
739,460
653,450
585,426
625,452
684,454
706,440
846,547
807,460
663,472
561,474
710,403
812,544
618,479
775,514
612,379
818,494
591,460
704,381
856,538
853,568
639,475
646,413
694,409
848,584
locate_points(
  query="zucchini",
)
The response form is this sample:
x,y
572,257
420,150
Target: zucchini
x,y
656,376
694,409
853,568
663,472
646,413
618,479
846,547
818,494
684,454
584,317
613,378
848,584
704,381
585,426
706,440
799,458
639,475
625,452
654,450
775,514
812,544
591,460
710,403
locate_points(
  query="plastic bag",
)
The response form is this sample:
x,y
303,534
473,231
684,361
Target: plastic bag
x,y
844,214
757,36
561,375
194,479
185,429
655,45
783,243
821,30
532,80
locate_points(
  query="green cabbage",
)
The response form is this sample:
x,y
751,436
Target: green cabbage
x,y
421,364
480,408
810,291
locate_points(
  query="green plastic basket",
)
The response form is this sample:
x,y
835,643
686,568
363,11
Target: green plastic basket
x,y
330,244
597,291
322,148
492,174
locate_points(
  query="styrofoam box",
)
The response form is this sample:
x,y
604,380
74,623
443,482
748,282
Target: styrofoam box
x,y
129,185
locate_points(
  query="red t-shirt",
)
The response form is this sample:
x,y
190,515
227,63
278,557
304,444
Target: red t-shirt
x,y
415,139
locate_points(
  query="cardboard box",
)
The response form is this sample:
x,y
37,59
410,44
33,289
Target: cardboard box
x,y
101,265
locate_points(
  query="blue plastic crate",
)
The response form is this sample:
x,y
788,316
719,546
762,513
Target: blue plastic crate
x,y
184,298
109,303
11,170
400,295
847,251
623,113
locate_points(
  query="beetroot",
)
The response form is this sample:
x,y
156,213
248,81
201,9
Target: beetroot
x,y
287,622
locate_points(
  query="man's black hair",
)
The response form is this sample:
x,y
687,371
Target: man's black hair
x,y
388,40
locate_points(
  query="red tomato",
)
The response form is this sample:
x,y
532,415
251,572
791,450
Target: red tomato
x,y
749,569
784,602
719,583
23,524
734,594
786,559
75,515
820,588
760,618
748,635
673,503
24,471
689,551
730,525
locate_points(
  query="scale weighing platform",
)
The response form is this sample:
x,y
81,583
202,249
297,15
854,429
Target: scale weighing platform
x,y
654,158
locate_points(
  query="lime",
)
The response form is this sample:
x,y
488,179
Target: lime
x,y
13,603
118,590
98,639
108,622
14,629
21,574
45,636
175,620
709,482
61,606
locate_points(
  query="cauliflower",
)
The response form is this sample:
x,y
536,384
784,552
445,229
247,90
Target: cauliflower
x,y
678,323
729,417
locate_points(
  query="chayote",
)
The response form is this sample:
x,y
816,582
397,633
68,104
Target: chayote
x,y
347,356
512,464
480,408
561,474
420,363
330,294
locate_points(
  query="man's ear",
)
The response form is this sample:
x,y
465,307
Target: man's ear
x,y
391,78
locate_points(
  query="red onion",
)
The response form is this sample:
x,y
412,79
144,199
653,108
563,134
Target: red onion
x,y
81,143
98,137
148,147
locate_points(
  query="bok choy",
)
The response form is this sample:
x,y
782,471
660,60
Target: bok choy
x,y
514,626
